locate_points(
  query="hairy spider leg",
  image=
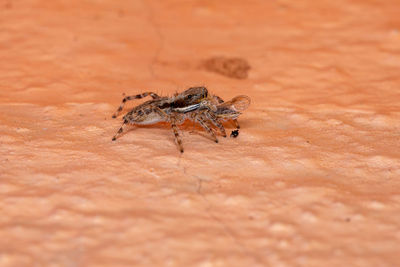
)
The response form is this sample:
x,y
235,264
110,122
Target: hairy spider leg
x,y
216,122
132,97
220,100
178,139
203,122
236,123
120,130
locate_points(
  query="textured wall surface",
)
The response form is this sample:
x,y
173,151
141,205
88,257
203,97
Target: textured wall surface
x,y
312,180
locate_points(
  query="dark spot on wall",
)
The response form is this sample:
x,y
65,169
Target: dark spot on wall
x,y
236,68
235,133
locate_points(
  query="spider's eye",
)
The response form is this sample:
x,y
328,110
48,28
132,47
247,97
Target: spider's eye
x,y
190,96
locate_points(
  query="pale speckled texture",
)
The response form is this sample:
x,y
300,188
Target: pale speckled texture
x,y
312,180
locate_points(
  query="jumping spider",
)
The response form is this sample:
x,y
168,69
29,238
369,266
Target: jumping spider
x,y
194,104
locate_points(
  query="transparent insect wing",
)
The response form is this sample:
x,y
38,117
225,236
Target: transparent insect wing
x,y
238,103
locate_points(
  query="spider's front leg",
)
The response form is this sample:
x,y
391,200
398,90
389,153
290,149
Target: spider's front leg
x,y
211,116
203,120
132,97
218,99
236,123
208,111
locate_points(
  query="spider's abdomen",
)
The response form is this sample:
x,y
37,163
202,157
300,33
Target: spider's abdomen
x,y
144,115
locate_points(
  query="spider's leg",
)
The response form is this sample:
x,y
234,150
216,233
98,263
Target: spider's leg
x,y
178,139
161,113
216,122
200,119
132,97
220,100
236,123
120,131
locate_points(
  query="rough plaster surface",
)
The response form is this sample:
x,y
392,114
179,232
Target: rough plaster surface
x,y
312,180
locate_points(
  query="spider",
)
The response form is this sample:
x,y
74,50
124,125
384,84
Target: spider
x,y
194,104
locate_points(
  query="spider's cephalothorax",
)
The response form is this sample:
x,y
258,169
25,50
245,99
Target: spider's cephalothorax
x,y
194,104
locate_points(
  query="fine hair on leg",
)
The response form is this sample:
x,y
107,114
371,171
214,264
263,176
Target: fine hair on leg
x,y
203,122
132,97
121,130
178,139
216,122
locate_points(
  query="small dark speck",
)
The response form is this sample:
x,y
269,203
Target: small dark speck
x,y
348,220
81,115
235,133
308,141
